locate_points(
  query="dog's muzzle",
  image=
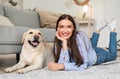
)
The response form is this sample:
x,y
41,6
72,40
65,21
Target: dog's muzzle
x,y
35,42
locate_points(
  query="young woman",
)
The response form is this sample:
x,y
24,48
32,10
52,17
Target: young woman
x,y
74,51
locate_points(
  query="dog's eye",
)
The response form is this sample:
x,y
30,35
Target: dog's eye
x,y
30,32
39,33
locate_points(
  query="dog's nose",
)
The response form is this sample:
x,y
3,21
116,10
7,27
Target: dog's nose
x,y
36,37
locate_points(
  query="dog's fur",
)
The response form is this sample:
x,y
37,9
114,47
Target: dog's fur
x,y
35,53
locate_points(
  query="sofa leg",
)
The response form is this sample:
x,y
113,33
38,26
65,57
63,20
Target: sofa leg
x,y
17,57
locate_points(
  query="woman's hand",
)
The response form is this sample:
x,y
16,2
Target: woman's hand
x,y
64,41
55,66
59,37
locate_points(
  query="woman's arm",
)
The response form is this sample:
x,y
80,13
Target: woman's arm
x,y
72,66
65,64
64,41
55,66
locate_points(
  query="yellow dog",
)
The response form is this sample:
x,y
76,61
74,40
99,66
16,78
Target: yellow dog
x,y
35,53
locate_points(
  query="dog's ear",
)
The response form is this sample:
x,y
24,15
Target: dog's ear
x,y
23,37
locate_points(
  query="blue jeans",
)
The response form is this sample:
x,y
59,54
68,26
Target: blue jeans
x,y
104,55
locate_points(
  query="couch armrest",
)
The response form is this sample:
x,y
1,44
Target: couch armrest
x,y
11,34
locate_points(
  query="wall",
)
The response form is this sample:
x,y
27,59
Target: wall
x,y
28,4
61,6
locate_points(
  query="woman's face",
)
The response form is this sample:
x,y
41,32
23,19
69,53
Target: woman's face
x,y
65,28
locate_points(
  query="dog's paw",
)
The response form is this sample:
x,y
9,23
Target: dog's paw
x,y
21,71
8,70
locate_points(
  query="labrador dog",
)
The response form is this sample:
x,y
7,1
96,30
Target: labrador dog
x,y
35,53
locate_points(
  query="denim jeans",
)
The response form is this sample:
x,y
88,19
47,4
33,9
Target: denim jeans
x,y
104,55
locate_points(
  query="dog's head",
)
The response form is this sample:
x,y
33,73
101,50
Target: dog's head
x,y
32,37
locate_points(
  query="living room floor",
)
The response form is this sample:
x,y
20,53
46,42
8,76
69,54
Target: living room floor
x,y
8,60
109,70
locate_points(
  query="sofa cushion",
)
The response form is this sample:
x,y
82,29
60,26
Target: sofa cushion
x,y
1,10
21,17
5,21
48,19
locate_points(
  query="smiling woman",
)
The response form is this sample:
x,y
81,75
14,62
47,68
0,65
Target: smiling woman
x,y
81,2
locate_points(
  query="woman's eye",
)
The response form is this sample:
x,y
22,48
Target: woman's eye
x,y
61,26
69,26
30,32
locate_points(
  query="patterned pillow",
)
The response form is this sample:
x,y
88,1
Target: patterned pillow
x,y
5,21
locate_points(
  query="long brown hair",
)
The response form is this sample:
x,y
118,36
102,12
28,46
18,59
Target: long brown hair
x,y
72,43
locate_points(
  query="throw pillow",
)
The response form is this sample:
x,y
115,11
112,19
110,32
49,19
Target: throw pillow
x,y
48,19
5,21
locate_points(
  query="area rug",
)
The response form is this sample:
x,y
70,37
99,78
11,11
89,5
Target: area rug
x,y
109,70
